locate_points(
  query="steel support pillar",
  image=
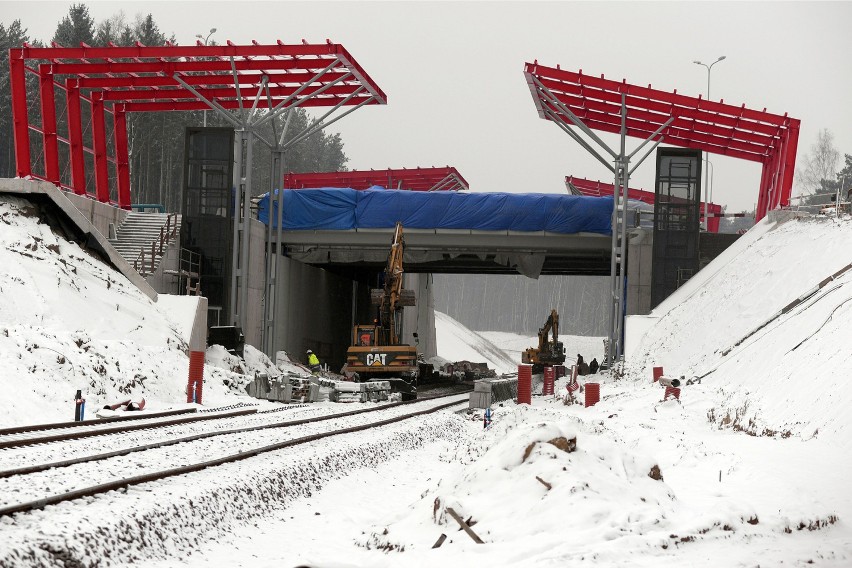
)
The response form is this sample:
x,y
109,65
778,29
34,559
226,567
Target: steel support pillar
x,y
559,113
20,120
242,220
121,157
273,254
99,143
48,124
75,137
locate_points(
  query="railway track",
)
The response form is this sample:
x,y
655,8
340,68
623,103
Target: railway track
x,y
24,489
88,430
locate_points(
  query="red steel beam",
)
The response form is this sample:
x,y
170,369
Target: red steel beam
x,y
75,137
603,189
139,73
99,143
790,146
251,79
231,104
700,124
169,68
218,94
48,124
417,179
639,128
20,120
122,158
666,109
655,94
140,51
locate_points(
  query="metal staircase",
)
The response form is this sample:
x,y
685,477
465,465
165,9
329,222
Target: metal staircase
x,y
143,238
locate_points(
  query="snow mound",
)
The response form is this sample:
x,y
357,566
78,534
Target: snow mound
x,y
528,476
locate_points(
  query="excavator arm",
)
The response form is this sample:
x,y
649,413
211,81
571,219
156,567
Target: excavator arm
x,y
549,351
393,286
552,324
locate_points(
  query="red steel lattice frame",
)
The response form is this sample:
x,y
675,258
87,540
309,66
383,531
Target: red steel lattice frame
x,y
117,80
601,189
417,179
713,127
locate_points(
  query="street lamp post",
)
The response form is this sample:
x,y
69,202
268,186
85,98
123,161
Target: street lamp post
x,y
707,154
206,39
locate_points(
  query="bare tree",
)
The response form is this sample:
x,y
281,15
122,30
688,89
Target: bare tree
x,y
819,165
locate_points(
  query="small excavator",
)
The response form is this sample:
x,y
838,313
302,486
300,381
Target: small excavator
x,y
548,352
376,352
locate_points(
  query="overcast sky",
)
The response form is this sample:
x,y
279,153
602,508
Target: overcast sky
x,y
453,72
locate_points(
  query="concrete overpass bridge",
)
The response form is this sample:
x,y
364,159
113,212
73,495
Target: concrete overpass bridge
x,y
455,251
334,244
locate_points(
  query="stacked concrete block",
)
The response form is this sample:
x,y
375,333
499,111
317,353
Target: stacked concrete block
x,y
370,391
488,391
280,390
259,387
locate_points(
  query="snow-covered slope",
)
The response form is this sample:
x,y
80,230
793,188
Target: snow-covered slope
x,y
502,349
69,322
784,372
457,343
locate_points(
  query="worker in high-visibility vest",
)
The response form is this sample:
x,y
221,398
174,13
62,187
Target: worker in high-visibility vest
x,y
313,362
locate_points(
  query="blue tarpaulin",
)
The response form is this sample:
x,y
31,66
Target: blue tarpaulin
x,y
346,208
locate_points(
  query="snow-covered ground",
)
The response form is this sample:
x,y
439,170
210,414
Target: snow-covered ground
x,y
754,459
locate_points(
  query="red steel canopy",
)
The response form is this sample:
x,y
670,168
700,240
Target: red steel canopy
x,y
714,127
417,179
588,187
117,80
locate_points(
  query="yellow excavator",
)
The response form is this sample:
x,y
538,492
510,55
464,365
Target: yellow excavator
x,y
549,352
376,352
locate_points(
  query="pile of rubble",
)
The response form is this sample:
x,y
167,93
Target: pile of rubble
x,y
292,387
284,388
468,371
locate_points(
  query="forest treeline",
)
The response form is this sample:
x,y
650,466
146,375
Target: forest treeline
x,y
155,140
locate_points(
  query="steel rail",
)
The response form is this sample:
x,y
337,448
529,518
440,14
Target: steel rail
x,y
128,428
173,472
53,425
25,470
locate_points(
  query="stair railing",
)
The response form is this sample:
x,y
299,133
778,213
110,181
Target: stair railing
x,y
167,233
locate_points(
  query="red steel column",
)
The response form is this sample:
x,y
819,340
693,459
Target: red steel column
x,y
20,121
195,387
775,180
790,148
121,157
524,384
99,143
765,181
75,137
48,123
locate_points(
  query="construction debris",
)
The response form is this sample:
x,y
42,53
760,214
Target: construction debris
x,y
284,388
370,391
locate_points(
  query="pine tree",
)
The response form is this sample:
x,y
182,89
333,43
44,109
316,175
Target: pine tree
x,y
75,28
